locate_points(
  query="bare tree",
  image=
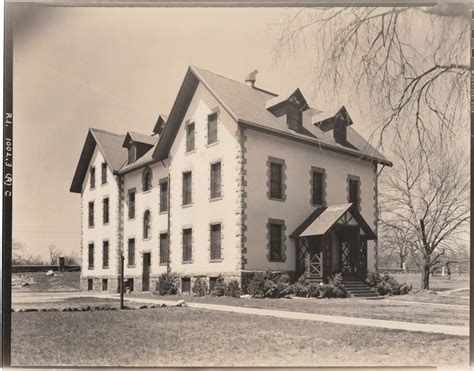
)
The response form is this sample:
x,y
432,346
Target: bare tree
x,y
412,79
22,257
427,200
393,245
71,258
54,254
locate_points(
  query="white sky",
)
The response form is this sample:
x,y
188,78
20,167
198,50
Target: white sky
x,y
117,69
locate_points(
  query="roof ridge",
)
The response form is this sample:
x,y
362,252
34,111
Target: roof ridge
x,y
107,132
238,82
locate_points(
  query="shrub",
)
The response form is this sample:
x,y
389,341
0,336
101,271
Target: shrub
x,y
334,288
387,285
168,284
313,289
200,287
256,285
219,288
232,289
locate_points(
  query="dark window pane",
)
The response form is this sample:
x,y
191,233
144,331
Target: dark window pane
x,y
146,224
354,191
131,204
275,180
187,244
131,251
318,188
164,243
105,210
90,284
105,284
92,175
187,191
91,255
164,196
132,153
147,176
216,180
275,242
212,128
189,137
91,214
105,254
104,173
215,241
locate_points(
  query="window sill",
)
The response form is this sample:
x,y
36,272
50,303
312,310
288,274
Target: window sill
x,y
146,239
277,261
92,189
131,219
91,227
190,152
216,260
147,191
277,199
187,205
212,144
131,266
105,267
90,268
163,264
318,205
103,184
187,262
105,224
163,212
216,199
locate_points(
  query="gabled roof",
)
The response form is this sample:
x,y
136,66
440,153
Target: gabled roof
x,y
247,106
150,140
110,145
324,218
279,99
340,113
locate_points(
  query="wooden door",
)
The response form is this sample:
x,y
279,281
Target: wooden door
x,y
146,272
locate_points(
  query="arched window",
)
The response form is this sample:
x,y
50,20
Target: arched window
x,y
146,224
146,179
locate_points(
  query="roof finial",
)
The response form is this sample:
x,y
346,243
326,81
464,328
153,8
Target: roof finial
x,y
251,78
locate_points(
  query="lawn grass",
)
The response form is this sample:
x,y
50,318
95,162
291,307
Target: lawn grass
x,y
376,309
437,282
39,281
192,337
68,302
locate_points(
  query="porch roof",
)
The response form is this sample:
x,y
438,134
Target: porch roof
x,y
324,218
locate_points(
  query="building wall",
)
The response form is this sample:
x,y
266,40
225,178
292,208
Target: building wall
x,y
298,159
204,211
133,228
100,232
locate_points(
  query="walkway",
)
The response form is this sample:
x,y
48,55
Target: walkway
x,y
342,320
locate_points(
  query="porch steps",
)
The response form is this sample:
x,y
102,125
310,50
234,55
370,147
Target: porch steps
x,y
359,289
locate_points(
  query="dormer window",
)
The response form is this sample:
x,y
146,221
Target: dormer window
x,y
132,153
291,106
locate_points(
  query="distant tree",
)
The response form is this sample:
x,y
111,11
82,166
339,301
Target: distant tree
x,y
425,199
21,257
71,258
54,254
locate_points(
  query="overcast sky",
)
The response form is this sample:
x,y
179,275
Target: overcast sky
x,y
116,69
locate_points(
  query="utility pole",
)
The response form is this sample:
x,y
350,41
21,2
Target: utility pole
x,y
122,260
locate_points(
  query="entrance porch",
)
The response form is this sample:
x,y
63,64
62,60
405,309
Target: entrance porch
x,y
332,240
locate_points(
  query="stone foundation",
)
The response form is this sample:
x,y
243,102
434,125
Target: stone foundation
x,y
112,284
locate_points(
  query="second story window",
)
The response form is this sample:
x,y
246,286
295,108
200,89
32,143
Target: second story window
x,y
146,224
164,195
276,187
317,187
105,210
164,243
146,179
105,254
131,251
92,177
190,137
131,204
212,128
91,255
216,180
187,245
187,188
104,173
91,214
354,191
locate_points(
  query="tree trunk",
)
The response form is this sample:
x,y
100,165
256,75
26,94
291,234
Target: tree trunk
x,y
425,277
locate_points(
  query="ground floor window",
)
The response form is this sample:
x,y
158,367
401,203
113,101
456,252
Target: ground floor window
x,y
129,284
105,284
212,283
186,285
90,284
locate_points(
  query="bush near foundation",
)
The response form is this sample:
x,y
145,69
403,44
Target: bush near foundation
x,y
168,284
307,289
387,285
222,288
200,287
270,285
